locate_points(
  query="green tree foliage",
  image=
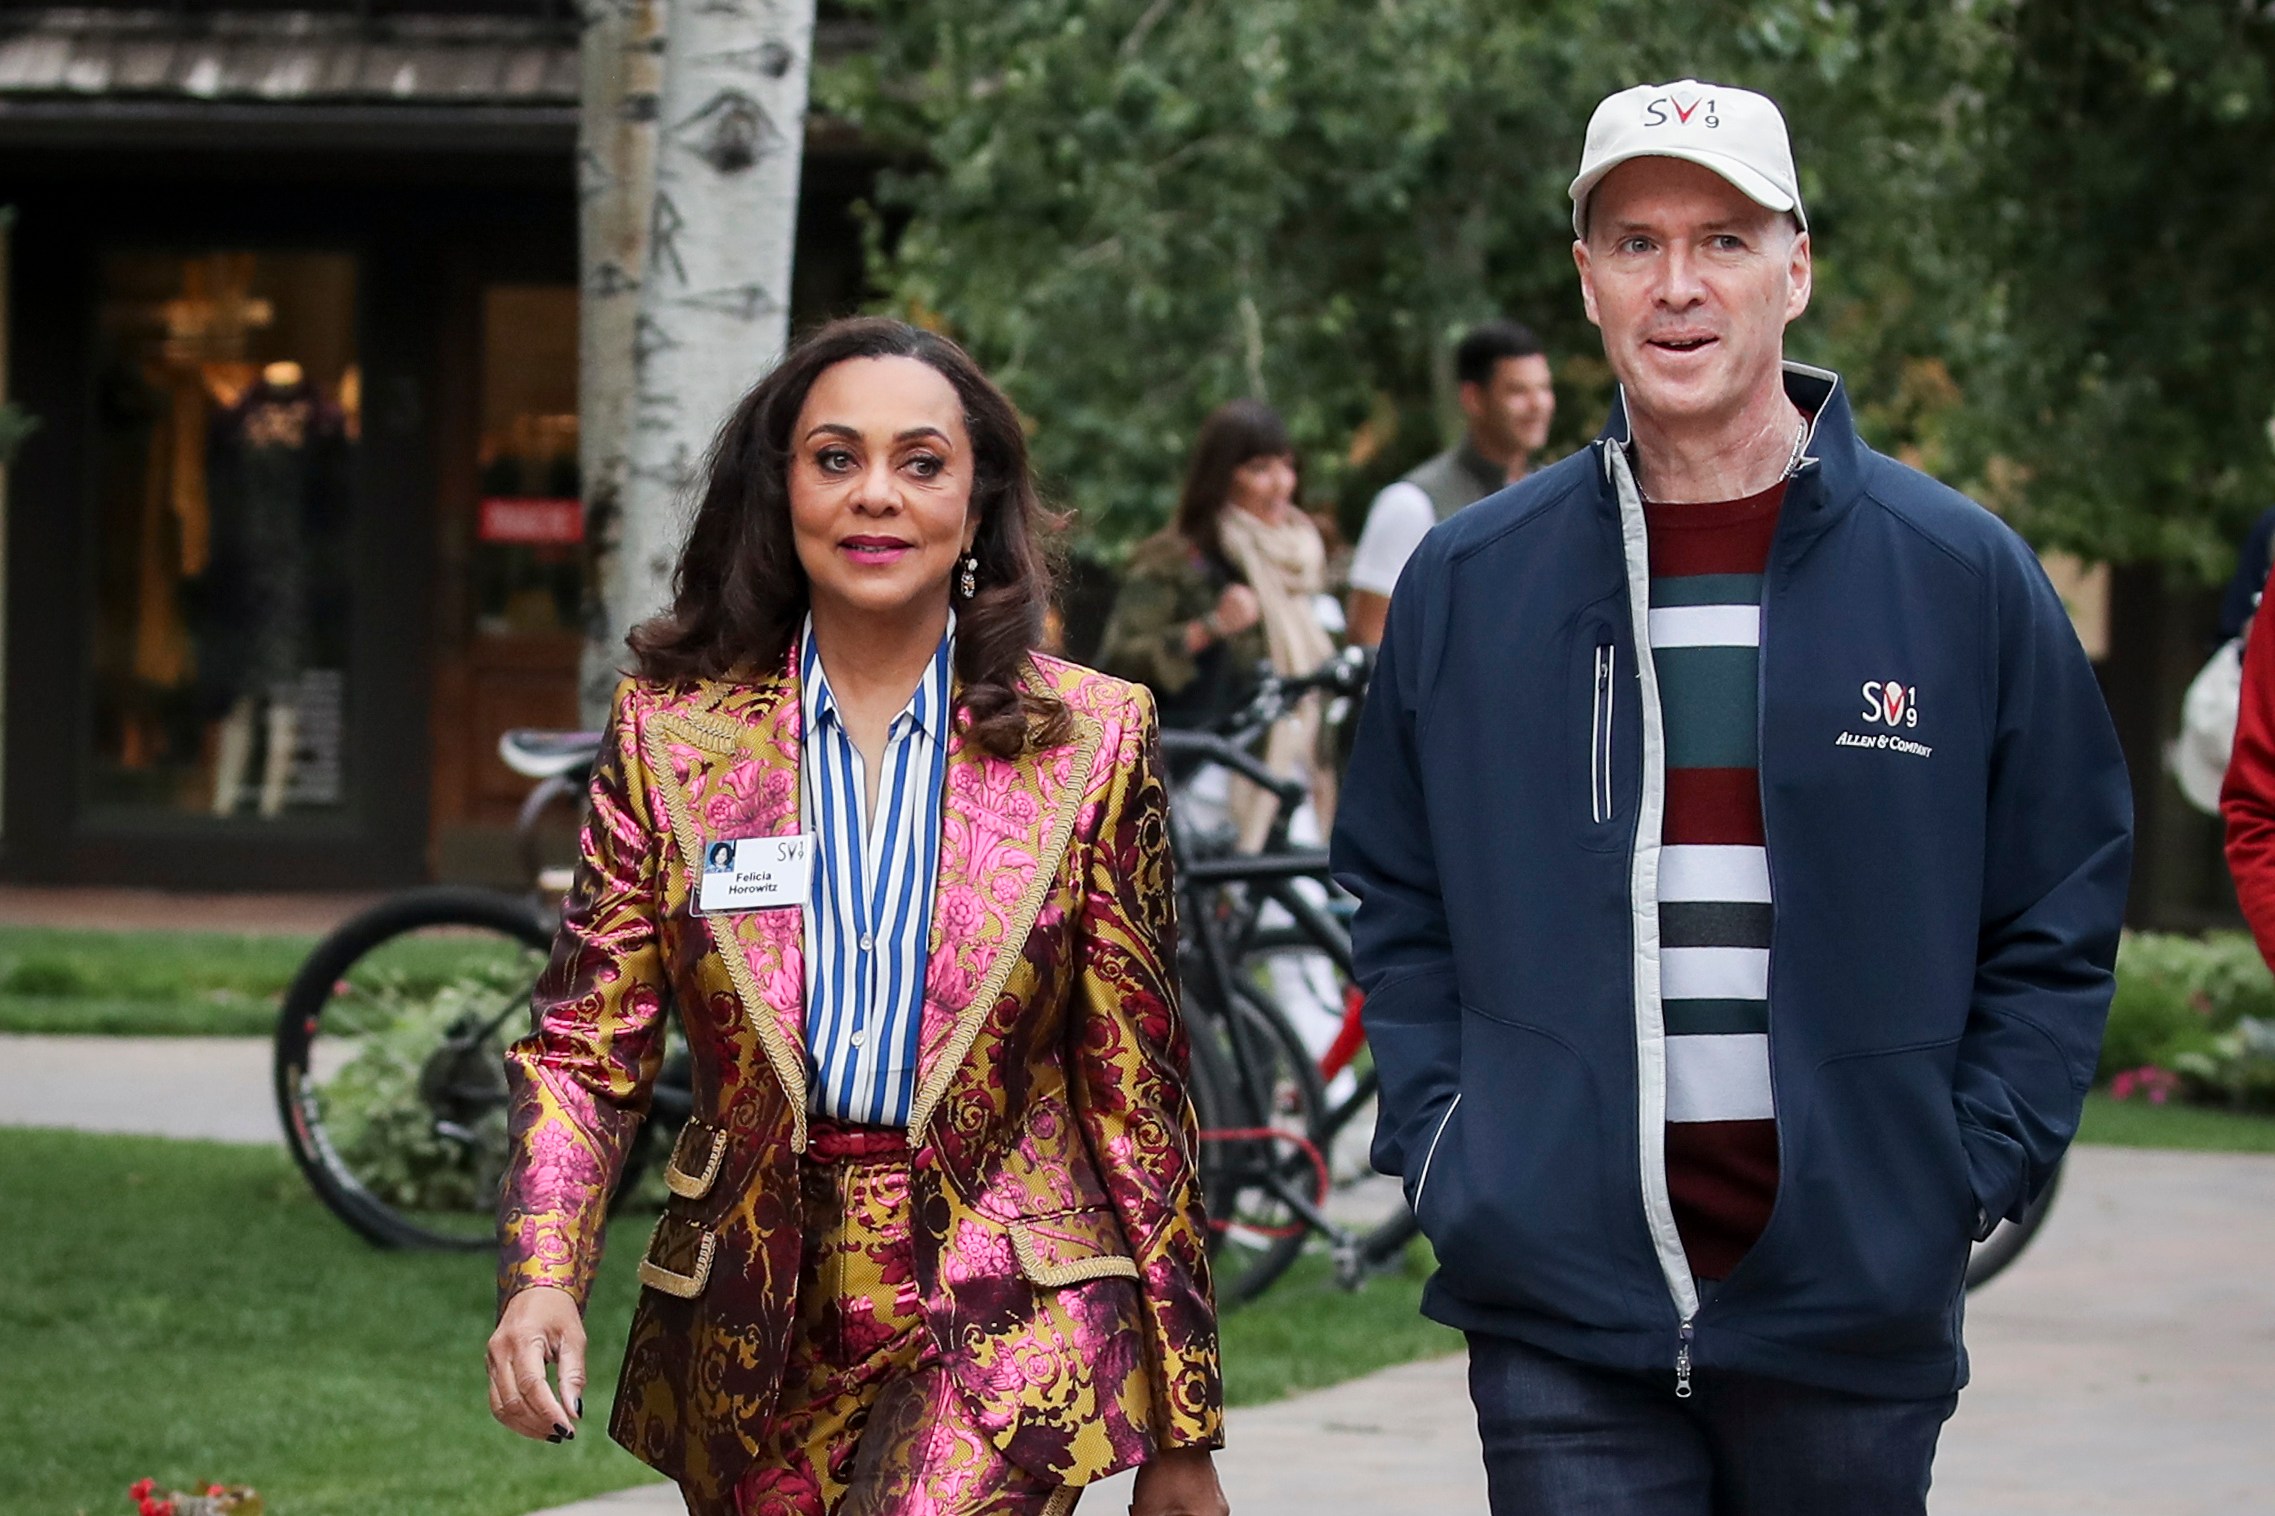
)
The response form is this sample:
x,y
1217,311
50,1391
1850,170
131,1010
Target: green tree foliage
x,y
1135,209
2129,213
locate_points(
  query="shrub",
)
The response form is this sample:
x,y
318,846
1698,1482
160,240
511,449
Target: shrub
x,y
2176,995
2238,1069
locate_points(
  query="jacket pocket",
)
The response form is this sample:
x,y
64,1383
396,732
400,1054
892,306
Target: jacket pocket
x,y
1601,706
678,1260
1517,1196
693,1167
1599,796
1867,1248
1071,1247
1429,1156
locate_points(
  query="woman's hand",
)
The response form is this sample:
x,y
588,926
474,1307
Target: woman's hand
x,y
1237,609
541,1325
1178,1482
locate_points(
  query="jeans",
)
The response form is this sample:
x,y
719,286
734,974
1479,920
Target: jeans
x,y
1564,1437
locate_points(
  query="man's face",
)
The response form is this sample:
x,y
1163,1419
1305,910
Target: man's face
x,y
1692,285
1509,413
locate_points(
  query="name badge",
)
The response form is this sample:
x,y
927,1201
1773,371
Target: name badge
x,y
755,873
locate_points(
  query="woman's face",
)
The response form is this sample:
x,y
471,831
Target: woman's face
x,y
1264,485
880,487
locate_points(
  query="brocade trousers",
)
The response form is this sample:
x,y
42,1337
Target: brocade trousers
x,y
869,1423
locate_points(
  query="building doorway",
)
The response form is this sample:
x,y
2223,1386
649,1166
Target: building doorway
x,y
512,549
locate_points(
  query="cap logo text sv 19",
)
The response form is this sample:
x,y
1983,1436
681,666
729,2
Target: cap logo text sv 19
x,y
1655,111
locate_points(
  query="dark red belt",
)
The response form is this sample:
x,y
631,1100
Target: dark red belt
x,y
830,1141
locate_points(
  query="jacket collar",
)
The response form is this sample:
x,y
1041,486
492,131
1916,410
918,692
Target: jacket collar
x,y
725,758
1832,459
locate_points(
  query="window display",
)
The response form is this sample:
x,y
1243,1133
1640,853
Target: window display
x,y
226,416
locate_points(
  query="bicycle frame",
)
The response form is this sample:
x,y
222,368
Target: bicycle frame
x,y
1221,928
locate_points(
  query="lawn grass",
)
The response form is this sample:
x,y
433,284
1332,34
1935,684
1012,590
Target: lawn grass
x,y
2138,1124
149,983
1306,1333
187,1311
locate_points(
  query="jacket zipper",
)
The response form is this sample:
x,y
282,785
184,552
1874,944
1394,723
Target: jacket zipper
x,y
1422,1180
1599,737
1683,1292
1658,1211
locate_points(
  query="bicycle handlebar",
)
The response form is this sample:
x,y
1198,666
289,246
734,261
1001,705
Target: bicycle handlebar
x,y
537,754
1344,674
1257,868
1247,765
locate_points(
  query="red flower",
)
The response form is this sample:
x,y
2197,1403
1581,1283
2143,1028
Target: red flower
x,y
140,1490
213,1490
2155,1084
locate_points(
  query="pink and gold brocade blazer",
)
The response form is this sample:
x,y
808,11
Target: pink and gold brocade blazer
x,y
1059,1239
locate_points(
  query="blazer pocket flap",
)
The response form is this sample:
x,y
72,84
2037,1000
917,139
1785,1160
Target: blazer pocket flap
x,y
678,1260
695,1158
1071,1247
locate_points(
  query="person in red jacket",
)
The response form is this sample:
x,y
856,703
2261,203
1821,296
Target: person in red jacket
x,y
2247,798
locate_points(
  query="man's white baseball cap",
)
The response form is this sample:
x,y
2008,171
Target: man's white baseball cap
x,y
1735,132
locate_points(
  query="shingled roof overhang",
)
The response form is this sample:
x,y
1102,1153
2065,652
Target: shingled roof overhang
x,y
89,77
294,79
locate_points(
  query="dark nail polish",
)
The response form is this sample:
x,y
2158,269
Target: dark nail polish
x,y
561,1433
580,1405
554,1435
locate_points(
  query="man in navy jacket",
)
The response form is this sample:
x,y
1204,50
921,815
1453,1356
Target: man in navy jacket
x,y
1741,842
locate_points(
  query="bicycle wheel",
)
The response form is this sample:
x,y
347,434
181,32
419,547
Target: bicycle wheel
x,y
390,1071
1994,1253
1259,1101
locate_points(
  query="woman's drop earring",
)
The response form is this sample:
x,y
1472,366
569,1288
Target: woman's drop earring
x,y
969,582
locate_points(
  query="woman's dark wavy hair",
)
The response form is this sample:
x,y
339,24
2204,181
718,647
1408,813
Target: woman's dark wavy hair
x,y
1234,432
739,594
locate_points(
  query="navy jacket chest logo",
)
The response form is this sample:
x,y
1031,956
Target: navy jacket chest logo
x,y
1891,718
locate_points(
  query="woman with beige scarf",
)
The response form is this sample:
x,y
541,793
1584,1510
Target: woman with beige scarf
x,y
1229,583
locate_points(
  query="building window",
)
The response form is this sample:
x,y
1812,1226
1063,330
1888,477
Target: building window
x,y
529,530
227,415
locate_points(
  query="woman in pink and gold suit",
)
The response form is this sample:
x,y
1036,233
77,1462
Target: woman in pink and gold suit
x,y
934,1243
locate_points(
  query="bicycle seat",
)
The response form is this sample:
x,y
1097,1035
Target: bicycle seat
x,y
535,754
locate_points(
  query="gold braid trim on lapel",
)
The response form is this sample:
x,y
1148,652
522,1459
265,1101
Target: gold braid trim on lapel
x,y
1016,928
709,730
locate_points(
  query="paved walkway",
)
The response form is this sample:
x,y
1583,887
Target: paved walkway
x,y
216,1088
2119,1368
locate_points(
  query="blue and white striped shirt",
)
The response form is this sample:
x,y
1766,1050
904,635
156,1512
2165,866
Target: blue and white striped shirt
x,y
869,913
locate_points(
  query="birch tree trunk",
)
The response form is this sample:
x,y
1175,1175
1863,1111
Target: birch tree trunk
x,y
622,52
714,302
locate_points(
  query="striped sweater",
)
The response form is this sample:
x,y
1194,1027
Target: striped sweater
x,y
1714,886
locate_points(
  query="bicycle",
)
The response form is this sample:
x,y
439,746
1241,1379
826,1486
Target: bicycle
x,y
1266,1125
389,1061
